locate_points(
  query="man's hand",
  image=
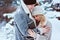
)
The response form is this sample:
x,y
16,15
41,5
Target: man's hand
x,y
31,33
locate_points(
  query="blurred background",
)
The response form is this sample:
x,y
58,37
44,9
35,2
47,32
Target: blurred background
x,y
52,12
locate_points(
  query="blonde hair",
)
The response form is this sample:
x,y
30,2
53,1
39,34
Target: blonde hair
x,y
42,19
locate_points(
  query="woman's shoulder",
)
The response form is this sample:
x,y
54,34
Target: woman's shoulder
x,y
49,24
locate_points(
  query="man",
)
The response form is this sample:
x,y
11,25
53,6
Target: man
x,y
22,19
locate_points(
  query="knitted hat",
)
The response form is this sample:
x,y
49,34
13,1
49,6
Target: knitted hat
x,y
29,2
37,10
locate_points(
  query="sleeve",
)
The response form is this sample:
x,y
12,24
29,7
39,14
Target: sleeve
x,y
49,34
21,22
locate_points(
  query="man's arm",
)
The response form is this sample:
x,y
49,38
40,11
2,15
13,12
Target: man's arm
x,y
21,23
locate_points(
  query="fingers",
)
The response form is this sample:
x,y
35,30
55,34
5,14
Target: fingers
x,y
46,30
31,33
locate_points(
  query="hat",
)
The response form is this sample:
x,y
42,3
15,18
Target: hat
x,y
37,10
29,2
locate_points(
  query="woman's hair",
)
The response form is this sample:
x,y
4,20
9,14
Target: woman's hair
x,y
42,19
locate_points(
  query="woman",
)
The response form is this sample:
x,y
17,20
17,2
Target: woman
x,y
42,24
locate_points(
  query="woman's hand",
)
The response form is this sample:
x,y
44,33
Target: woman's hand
x,y
46,29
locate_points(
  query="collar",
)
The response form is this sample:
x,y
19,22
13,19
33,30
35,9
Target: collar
x,y
27,11
25,7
